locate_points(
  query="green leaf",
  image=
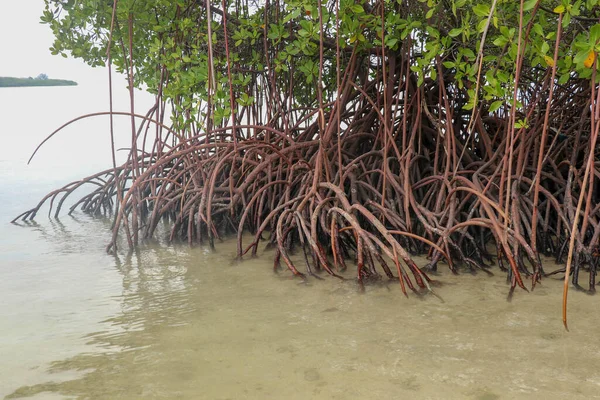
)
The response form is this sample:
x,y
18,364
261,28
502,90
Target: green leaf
x,y
501,41
522,123
391,42
496,105
292,15
482,10
580,57
568,61
595,33
455,32
433,32
529,4
357,9
481,25
503,76
468,53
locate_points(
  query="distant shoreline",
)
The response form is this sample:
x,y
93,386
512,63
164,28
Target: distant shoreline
x,y
26,82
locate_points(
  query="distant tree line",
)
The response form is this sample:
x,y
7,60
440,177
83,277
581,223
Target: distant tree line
x,y
40,80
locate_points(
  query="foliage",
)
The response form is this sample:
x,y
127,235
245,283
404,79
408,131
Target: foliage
x,y
266,41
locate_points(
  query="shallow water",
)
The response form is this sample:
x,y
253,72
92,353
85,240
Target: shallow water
x,y
169,321
174,322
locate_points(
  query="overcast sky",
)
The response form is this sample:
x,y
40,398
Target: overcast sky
x,y
24,44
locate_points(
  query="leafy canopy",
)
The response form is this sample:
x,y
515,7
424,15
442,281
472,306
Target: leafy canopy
x,y
285,46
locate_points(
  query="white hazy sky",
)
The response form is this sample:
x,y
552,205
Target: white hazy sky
x,y
24,44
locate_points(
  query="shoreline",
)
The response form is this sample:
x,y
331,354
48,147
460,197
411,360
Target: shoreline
x,y
6,81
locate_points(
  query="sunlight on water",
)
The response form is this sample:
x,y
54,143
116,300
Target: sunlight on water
x,y
169,321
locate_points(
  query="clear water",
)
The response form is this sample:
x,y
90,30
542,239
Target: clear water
x,y
178,322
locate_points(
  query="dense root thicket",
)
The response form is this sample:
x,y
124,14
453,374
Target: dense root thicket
x,y
413,184
378,171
